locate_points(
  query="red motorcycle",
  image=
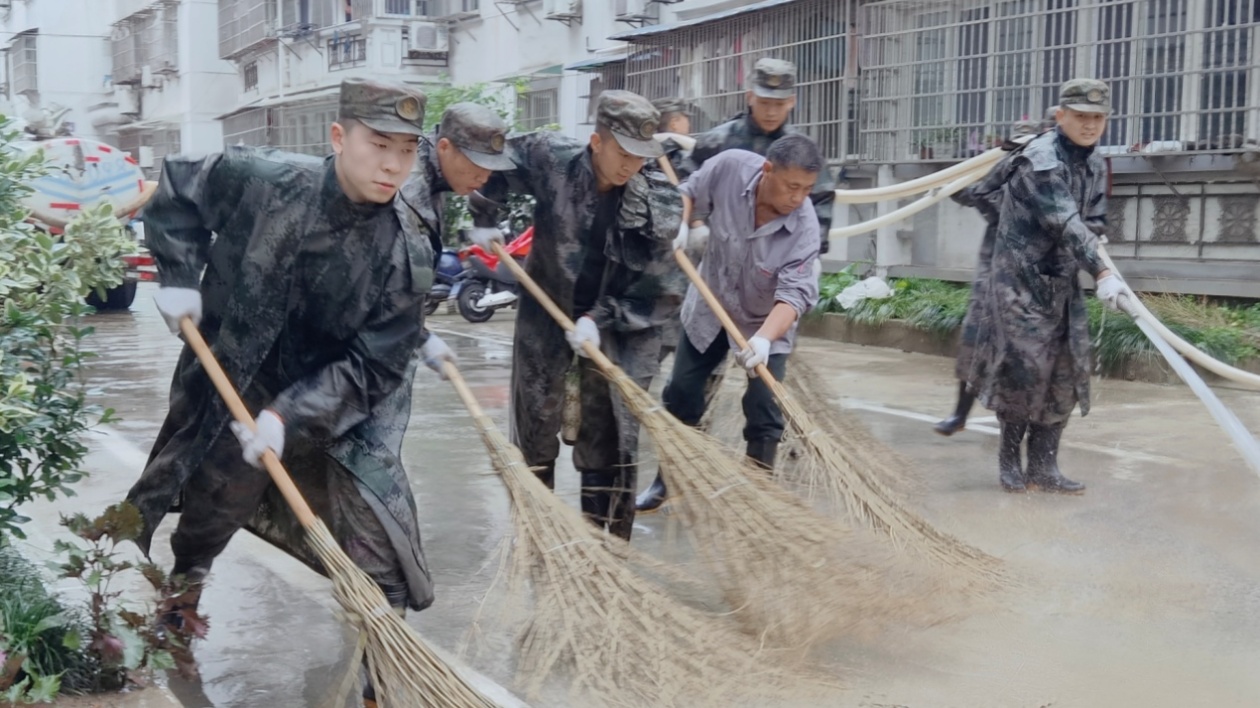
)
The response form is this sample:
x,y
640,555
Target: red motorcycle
x,y
486,284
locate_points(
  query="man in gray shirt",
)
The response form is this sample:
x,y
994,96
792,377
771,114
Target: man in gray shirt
x,y
760,264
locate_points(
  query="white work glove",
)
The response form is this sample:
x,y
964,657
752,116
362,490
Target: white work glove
x,y
435,353
176,303
268,436
586,331
484,236
1111,289
692,239
757,352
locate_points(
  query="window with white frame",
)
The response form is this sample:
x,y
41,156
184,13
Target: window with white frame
x,y
413,8
1179,70
538,107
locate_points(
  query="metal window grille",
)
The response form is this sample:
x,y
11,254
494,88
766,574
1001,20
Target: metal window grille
x,y
23,64
250,74
311,14
244,24
413,8
249,127
538,108
126,67
155,31
346,51
709,62
304,127
945,79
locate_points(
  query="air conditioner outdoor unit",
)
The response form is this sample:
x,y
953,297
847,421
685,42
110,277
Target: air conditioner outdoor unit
x,y
145,157
148,79
562,9
427,38
126,100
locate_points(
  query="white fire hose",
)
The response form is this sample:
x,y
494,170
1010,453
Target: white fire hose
x,y
934,195
1229,422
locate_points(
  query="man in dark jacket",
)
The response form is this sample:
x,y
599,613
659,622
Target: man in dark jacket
x,y
311,296
603,225
1031,364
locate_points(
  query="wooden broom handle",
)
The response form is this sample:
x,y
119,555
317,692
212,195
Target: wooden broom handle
x,y
234,403
703,288
551,307
461,387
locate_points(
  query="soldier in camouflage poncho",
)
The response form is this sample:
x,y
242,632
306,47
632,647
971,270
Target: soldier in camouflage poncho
x,y
1031,364
603,227
311,299
675,119
986,197
771,96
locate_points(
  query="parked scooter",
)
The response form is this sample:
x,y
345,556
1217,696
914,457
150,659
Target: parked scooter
x,y
487,284
450,268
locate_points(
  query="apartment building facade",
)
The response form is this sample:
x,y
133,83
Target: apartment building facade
x,y
133,73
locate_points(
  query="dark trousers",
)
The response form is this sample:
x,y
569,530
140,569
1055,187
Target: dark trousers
x,y
685,393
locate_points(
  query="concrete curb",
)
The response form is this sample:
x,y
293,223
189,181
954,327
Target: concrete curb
x,y
904,337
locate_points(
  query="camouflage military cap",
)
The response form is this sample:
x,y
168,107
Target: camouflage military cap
x,y
384,106
1085,95
773,78
479,133
671,105
631,120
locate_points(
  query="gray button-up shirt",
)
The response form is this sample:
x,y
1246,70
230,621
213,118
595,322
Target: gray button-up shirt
x,y
748,268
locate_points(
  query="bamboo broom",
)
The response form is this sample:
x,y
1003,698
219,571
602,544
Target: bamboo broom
x,y
626,641
791,575
828,468
404,670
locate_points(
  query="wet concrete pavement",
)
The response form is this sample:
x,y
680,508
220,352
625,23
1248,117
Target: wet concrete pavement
x,y
1143,592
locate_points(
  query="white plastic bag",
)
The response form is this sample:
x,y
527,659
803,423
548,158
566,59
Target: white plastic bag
x,y
873,288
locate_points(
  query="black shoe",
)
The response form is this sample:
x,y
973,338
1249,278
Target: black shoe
x,y
1010,471
957,421
547,474
608,500
1043,461
653,497
763,452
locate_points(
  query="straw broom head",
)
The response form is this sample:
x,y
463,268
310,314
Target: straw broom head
x,y
405,672
790,575
854,475
617,638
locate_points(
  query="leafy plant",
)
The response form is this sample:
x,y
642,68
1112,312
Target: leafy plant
x,y
34,660
43,280
124,644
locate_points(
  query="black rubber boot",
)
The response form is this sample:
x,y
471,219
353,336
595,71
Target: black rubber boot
x,y
547,475
957,421
1010,471
608,500
653,497
1043,461
763,452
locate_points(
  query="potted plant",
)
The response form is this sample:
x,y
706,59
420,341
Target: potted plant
x,y
944,143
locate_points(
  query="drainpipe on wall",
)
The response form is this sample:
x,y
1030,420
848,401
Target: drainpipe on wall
x,y
280,47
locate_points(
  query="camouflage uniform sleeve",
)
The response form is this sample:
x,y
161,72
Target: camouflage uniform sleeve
x,y
341,395
653,295
195,198
1046,193
707,145
532,155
